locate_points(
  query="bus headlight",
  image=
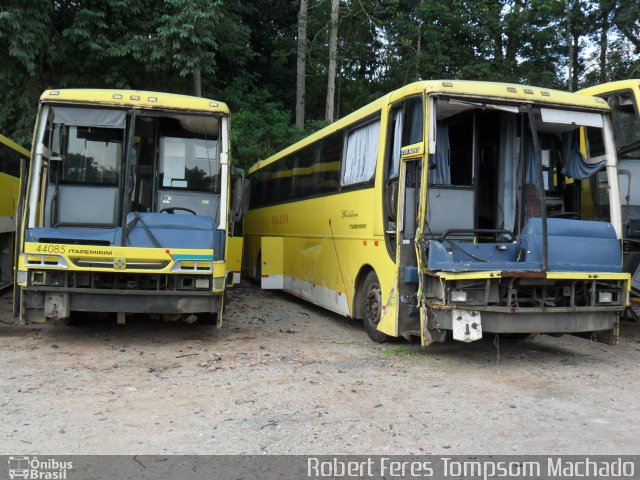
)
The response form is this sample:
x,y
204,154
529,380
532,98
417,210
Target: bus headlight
x,y
218,283
21,277
605,297
202,283
458,296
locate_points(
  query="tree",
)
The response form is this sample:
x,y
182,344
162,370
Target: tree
x,y
627,20
301,63
604,11
333,53
186,38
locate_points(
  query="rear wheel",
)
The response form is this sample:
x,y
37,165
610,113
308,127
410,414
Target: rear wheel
x,y
371,299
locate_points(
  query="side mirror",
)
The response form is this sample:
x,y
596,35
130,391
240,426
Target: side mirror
x,y
241,195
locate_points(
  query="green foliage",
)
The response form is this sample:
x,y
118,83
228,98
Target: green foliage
x,y
260,126
246,52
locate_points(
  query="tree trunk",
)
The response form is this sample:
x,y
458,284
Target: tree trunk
x,y
333,52
302,63
196,78
570,45
576,63
605,10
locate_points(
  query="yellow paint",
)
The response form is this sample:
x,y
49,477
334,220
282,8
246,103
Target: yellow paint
x,y
10,189
273,256
588,276
130,254
469,275
9,194
234,253
611,87
13,145
108,98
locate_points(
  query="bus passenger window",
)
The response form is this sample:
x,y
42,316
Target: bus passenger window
x,y
303,174
361,154
279,186
328,162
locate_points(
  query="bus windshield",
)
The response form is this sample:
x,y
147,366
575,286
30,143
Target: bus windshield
x,y
529,165
90,155
189,164
626,125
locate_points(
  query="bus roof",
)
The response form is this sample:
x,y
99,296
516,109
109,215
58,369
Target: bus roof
x,y
630,84
493,90
134,99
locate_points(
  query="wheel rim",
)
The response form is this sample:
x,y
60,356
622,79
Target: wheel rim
x,y
372,304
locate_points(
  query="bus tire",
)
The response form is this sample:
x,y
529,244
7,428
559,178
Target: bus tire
x,y
371,307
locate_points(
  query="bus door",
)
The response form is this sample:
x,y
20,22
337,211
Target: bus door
x,y
405,153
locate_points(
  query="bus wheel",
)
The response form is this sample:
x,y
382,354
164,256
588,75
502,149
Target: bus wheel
x,y
372,307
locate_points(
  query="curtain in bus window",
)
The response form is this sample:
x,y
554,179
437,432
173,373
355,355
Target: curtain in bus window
x,y
439,170
361,155
575,165
397,144
89,117
532,189
506,214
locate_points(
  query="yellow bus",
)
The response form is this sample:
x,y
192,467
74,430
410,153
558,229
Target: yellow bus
x,y
623,98
447,208
13,157
127,209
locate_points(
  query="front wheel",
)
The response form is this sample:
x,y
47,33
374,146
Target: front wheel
x,y
372,307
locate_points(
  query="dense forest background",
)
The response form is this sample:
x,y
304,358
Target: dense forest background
x,y
247,53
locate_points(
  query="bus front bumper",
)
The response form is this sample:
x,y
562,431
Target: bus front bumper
x,y
42,303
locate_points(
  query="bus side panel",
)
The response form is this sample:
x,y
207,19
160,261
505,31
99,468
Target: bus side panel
x,y
325,254
272,276
234,258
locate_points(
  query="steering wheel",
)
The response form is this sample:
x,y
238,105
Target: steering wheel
x,y
172,210
574,215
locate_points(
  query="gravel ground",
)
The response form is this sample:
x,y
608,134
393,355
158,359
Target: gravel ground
x,y
283,377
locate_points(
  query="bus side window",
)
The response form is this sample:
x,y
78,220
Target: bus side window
x,y
303,184
412,129
406,129
327,165
361,154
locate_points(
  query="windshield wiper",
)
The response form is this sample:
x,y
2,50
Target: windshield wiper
x,y
138,218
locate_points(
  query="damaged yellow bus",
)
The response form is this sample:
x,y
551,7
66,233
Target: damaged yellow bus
x,y
623,98
126,209
447,208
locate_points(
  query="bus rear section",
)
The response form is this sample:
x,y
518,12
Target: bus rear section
x,y
503,245
126,208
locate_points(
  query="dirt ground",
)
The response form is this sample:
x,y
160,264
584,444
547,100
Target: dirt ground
x,y
282,376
